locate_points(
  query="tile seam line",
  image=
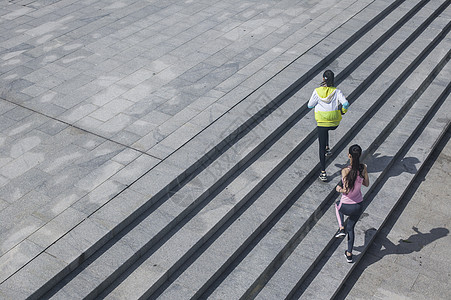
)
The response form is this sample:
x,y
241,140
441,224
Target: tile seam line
x,y
79,128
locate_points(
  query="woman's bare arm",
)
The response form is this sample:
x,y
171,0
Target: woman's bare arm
x,y
366,179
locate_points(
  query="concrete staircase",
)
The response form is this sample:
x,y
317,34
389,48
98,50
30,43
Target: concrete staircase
x,y
238,211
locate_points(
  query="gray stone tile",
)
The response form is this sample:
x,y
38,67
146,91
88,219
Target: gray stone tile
x,y
17,257
175,291
14,213
115,211
160,151
22,284
135,169
98,176
157,180
61,199
176,104
74,83
115,124
6,106
25,144
19,231
25,127
18,113
57,227
86,281
126,137
98,197
35,90
148,141
52,128
197,72
77,242
125,289
140,128
209,115
22,176
61,158
78,112
6,123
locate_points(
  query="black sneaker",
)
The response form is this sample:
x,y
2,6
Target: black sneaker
x,y
323,176
340,233
328,152
348,257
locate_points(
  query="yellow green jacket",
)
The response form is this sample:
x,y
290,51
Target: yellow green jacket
x,y
325,100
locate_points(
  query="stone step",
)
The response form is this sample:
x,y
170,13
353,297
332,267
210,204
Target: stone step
x,y
145,269
249,271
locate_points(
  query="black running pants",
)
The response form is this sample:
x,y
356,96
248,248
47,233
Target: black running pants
x,y
353,211
323,139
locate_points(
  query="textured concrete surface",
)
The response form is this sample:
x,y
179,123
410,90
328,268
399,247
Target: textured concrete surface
x,y
94,94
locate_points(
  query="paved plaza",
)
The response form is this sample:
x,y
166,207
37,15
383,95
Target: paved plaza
x,y
98,97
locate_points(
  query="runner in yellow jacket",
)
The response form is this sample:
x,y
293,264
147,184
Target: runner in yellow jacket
x,y
326,100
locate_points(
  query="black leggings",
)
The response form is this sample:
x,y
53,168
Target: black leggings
x,y
353,211
323,138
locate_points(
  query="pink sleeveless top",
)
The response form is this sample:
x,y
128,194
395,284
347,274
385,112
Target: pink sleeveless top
x,y
355,195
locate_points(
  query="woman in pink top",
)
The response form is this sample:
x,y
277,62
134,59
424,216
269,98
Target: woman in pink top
x,y
350,205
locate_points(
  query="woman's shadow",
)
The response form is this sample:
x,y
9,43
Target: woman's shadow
x,y
414,243
382,247
377,163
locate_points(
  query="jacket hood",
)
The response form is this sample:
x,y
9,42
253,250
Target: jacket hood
x,y
325,93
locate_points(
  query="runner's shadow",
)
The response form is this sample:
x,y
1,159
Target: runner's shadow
x,y
377,163
414,243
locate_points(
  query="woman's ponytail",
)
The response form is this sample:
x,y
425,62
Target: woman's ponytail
x,y
355,151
